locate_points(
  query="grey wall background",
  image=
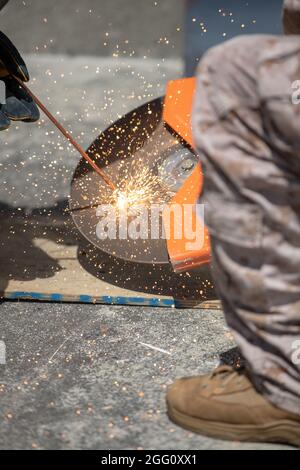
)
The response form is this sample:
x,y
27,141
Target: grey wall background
x,y
209,22
134,27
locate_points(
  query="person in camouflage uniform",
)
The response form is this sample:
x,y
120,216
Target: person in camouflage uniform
x,y
17,104
247,132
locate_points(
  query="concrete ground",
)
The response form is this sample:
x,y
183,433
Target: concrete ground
x,y
89,377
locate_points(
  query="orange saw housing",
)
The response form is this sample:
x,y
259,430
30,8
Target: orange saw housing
x,y
177,115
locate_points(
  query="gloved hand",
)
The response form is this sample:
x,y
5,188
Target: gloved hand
x,y
18,105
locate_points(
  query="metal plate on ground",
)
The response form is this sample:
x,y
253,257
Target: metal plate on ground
x,y
44,258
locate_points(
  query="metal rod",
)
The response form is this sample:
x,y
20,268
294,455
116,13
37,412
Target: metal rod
x,y
67,135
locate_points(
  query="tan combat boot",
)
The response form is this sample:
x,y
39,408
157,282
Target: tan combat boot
x,y
225,405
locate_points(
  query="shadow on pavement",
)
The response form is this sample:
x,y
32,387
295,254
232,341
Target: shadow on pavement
x,y
147,278
19,255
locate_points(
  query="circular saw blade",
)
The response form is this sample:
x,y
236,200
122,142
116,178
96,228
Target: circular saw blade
x,y
136,142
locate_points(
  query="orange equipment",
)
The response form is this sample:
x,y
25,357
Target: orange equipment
x,y
177,115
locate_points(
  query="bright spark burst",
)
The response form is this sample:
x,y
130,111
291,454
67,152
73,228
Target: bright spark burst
x,y
142,189
121,200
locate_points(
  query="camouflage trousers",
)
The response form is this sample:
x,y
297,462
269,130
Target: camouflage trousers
x,y
247,133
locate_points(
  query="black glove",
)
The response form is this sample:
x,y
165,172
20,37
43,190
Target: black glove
x,y
18,105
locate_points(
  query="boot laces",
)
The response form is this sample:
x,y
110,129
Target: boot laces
x,y
225,374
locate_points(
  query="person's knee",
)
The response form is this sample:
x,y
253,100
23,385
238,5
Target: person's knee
x,y
236,51
227,73
228,55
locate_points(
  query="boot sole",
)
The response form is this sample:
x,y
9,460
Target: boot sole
x,y
283,431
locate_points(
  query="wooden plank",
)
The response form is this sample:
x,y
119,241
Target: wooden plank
x,y
44,258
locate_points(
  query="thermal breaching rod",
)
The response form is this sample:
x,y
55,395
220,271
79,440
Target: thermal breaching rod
x,y
67,135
